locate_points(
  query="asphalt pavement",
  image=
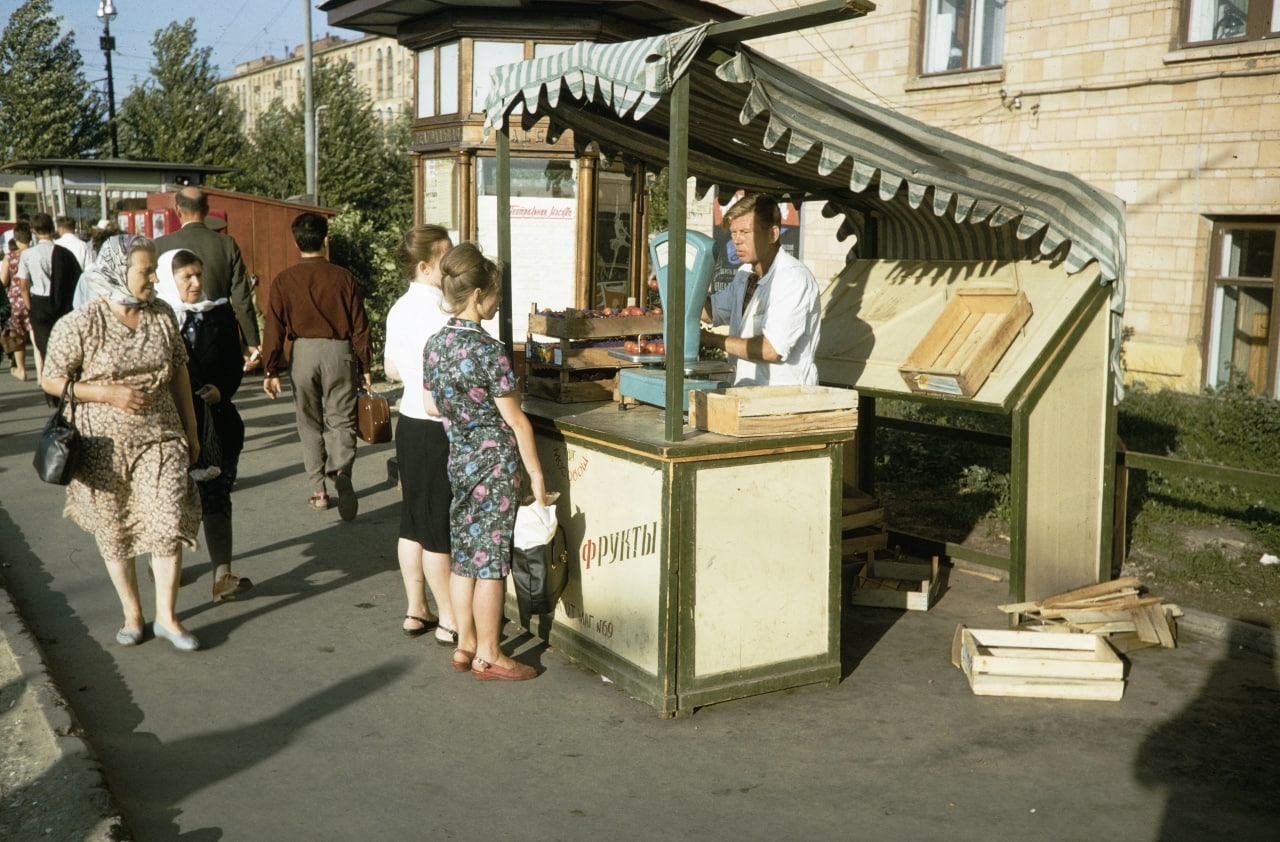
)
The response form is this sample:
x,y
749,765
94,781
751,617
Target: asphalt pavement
x,y
308,715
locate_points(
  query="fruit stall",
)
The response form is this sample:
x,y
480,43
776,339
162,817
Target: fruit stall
x,y
705,562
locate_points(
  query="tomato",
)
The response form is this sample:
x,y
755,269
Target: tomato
x,y
631,346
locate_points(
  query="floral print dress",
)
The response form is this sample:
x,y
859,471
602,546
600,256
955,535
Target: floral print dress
x,y
465,369
130,489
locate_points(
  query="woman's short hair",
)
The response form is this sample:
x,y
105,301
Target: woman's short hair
x,y
419,245
463,270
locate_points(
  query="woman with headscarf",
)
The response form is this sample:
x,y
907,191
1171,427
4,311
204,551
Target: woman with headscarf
x,y
215,368
137,423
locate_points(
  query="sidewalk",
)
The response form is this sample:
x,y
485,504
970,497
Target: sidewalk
x,y
308,715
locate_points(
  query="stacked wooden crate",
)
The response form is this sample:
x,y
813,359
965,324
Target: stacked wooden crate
x,y
862,529
1027,664
905,584
1115,609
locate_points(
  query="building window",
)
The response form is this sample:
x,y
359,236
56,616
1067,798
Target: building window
x,y
1243,274
437,89
962,35
486,56
1211,21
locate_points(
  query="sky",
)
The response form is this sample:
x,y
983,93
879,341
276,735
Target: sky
x,y
236,30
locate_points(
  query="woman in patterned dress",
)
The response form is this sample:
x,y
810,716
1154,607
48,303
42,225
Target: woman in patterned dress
x,y
19,319
468,381
137,424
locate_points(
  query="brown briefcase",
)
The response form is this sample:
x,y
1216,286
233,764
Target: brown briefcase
x,y
373,418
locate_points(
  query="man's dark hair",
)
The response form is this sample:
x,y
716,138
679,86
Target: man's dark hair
x,y
192,201
66,223
309,231
42,224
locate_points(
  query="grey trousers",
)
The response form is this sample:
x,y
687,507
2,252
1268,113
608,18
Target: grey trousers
x,y
323,373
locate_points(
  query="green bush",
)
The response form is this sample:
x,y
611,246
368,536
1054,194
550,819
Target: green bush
x,y
367,251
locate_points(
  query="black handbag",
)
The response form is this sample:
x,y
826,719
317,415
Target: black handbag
x,y
209,465
540,575
58,450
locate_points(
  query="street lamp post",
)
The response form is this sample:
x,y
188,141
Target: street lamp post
x,y
107,11
316,148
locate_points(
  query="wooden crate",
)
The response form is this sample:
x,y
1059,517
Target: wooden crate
x,y
1035,665
958,353
580,327
561,389
908,585
769,410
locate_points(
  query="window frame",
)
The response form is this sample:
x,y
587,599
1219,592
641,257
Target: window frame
x,y
1259,24
1216,281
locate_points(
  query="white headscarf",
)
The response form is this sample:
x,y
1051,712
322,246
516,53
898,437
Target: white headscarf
x,y
167,288
109,274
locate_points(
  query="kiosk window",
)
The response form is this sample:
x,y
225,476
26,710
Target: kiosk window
x,y
1243,274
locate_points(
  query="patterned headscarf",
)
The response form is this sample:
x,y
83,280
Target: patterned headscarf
x,y
109,274
167,288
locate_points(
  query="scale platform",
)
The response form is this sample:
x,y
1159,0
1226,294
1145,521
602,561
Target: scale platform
x,y
649,385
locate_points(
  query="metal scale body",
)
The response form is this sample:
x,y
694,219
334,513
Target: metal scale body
x,y
649,384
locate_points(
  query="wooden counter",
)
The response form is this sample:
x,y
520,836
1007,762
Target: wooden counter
x,y
701,570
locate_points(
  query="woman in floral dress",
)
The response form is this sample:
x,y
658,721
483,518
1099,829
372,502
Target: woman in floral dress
x,y
137,424
19,319
468,381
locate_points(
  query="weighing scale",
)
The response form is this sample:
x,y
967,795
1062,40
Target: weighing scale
x,y
649,384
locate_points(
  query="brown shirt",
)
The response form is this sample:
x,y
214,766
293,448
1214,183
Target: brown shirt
x,y
313,300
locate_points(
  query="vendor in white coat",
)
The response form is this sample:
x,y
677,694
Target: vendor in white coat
x,y
772,305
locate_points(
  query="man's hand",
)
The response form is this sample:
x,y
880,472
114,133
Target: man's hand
x,y
368,382
271,385
209,394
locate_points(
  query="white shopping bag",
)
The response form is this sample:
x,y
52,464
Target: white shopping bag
x,y
535,524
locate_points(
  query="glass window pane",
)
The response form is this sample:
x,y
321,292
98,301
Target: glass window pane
x,y
545,178
449,78
1248,253
1231,19
440,193
942,47
1242,325
427,83
988,33
487,56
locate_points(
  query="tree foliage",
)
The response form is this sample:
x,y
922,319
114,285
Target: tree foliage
x,y
363,164
47,108
179,113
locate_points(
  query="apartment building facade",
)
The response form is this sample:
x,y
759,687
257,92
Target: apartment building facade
x,y
1173,105
382,67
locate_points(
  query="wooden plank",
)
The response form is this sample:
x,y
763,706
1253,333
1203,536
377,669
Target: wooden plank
x,y
781,400
864,543
966,342
1161,624
870,517
1091,591
857,501
1143,626
578,327
1042,688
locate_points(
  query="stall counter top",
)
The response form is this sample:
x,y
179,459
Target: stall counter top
x,y
642,429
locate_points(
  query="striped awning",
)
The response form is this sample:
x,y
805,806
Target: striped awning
x,y
756,124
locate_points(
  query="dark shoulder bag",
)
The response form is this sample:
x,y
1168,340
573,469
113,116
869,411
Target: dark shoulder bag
x,y
59,447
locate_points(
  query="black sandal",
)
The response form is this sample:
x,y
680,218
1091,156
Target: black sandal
x,y
427,625
451,640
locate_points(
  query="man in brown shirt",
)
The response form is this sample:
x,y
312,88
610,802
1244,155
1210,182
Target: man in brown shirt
x,y
319,307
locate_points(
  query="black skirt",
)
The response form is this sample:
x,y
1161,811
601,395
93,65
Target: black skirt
x,y
422,459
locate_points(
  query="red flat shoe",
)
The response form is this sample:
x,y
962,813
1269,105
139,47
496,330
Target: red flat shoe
x,y
485,671
463,664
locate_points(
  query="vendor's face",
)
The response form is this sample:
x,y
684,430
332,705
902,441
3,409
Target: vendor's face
x,y
140,277
188,281
751,239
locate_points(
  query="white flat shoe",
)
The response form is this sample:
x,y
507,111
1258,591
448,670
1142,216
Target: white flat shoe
x,y
187,642
129,637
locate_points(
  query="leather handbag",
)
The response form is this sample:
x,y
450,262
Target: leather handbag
x,y
540,575
58,450
373,417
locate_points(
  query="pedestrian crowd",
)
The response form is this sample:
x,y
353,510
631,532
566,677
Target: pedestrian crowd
x,y
149,340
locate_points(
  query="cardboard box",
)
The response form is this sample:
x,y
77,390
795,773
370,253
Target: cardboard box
x,y
974,331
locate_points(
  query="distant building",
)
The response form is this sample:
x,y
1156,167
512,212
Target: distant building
x,y
382,67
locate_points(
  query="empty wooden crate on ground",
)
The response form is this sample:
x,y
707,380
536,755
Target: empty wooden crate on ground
x,y
975,329
909,585
1031,664
773,410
